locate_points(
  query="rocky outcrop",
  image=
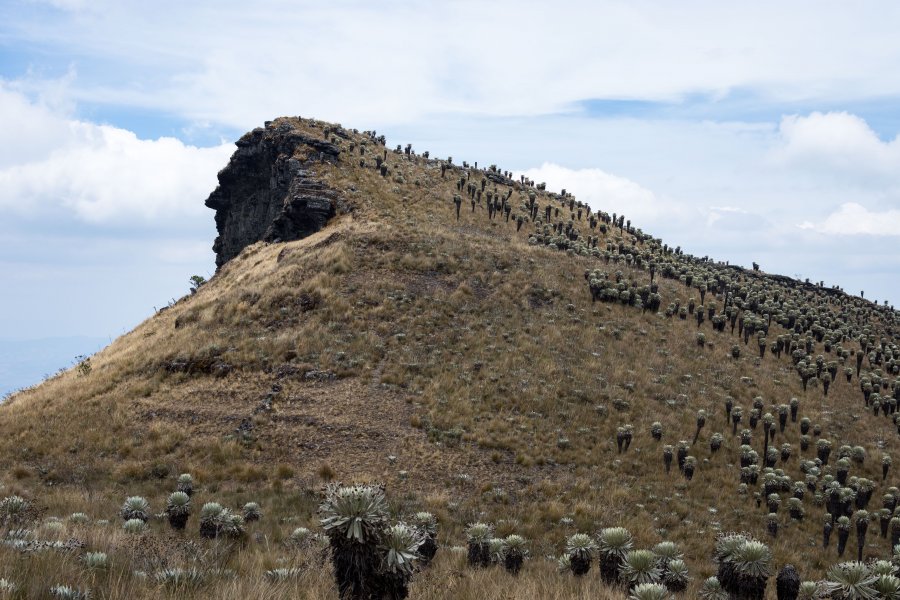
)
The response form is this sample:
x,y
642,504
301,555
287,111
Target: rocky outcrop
x,y
270,191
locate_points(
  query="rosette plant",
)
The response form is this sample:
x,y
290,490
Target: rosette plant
x,y
178,509
580,548
613,544
399,546
366,554
427,524
135,507
478,536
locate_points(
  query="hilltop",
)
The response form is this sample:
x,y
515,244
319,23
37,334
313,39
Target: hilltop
x,y
487,348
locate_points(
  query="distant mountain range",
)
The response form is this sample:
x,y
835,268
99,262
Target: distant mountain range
x,y
27,362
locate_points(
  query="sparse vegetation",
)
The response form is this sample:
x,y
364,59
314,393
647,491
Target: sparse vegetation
x,y
523,363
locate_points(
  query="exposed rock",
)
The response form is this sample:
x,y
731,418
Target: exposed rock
x,y
287,371
316,375
270,191
193,365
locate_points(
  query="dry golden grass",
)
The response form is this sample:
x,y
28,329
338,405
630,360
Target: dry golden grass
x,y
454,346
239,573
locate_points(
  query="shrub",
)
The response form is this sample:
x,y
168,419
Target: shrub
x,y
15,510
580,549
79,518
614,543
135,526
478,534
283,574
186,484
178,509
650,591
252,512
639,566
7,588
675,575
370,557
96,561
427,525
744,565
850,580
208,515
135,507
65,592
711,589
401,542
301,537
177,578
514,550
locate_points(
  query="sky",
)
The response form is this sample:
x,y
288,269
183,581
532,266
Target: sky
x,y
764,131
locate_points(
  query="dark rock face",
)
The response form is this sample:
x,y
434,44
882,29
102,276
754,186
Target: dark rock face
x,y
269,190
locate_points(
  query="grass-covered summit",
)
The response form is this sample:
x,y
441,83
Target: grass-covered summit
x,y
489,350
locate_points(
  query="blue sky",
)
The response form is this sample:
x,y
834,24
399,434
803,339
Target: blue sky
x,y
764,131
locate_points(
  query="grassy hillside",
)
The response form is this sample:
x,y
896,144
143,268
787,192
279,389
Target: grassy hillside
x,y
465,365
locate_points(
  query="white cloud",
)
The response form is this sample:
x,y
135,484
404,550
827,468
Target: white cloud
x,y
97,173
837,141
854,219
28,130
363,63
608,192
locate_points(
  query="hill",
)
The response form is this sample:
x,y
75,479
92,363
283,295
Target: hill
x,y
488,349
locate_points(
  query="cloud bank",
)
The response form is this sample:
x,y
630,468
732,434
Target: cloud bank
x,y
97,226
396,62
851,219
98,173
605,191
841,143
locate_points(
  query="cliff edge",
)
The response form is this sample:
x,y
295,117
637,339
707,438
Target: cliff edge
x,y
269,191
